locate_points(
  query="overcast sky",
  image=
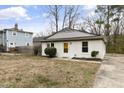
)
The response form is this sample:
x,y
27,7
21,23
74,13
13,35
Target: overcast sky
x,y
31,18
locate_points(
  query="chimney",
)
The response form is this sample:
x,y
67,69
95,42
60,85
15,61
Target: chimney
x,y
21,29
16,26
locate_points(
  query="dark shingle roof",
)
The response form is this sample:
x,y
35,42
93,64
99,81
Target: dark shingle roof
x,y
68,29
65,38
38,39
74,39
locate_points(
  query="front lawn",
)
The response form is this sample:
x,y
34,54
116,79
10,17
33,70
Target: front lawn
x,y
33,72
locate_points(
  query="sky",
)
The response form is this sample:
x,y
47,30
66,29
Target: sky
x,y
32,18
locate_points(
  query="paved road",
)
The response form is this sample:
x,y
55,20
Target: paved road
x,y
111,72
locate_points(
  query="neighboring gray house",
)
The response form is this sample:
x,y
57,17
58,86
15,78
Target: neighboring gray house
x,y
15,37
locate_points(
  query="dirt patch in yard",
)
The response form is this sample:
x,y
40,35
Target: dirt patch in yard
x,y
31,71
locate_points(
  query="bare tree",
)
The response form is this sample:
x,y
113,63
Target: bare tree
x,y
72,15
54,13
122,26
93,25
40,34
65,16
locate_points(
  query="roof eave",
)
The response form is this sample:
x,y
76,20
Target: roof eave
x,y
61,40
19,31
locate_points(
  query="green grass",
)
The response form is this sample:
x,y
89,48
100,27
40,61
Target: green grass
x,y
46,82
27,71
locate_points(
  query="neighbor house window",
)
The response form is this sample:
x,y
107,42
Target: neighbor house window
x,y
48,45
84,46
11,43
14,33
26,34
52,44
27,44
65,47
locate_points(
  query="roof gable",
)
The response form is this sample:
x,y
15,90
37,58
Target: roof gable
x,y
69,33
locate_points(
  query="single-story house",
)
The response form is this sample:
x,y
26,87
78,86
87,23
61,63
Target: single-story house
x,y
15,37
72,43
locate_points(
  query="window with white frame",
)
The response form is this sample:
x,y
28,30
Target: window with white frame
x,y
48,45
14,33
52,44
27,44
27,34
11,43
84,46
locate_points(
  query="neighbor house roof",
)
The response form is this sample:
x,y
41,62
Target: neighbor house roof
x,y
19,30
15,28
71,35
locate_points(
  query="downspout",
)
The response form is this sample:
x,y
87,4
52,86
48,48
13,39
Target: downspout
x,y
3,38
3,41
7,45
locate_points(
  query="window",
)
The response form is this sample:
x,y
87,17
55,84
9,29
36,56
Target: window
x,y
11,43
52,44
48,45
84,46
14,33
27,44
26,34
65,47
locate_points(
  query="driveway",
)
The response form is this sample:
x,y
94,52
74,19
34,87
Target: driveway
x,y
111,72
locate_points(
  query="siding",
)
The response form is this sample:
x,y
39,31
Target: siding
x,y
75,49
20,39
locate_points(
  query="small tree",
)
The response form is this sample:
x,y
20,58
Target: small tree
x,y
51,52
2,48
37,50
94,53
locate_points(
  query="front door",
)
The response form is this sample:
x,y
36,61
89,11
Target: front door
x,y
65,49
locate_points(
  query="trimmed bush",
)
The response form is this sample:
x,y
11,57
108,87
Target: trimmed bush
x,y
47,51
94,53
51,52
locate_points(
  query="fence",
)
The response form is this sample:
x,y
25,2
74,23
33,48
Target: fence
x,y
25,49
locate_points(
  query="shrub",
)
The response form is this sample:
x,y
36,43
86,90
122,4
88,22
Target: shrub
x,y
51,52
37,50
94,53
46,51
